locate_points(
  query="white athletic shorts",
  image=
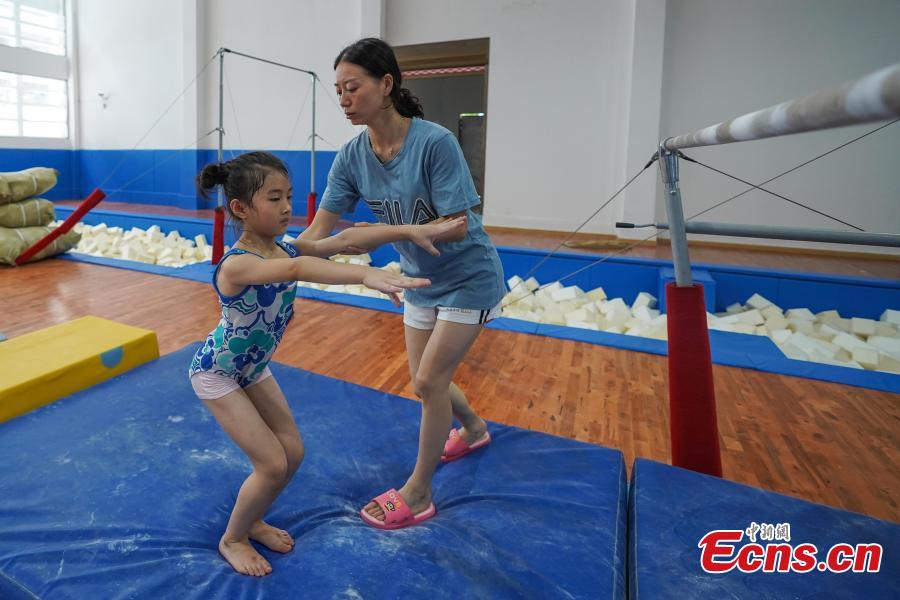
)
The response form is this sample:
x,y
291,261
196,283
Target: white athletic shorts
x,y
421,317
209,386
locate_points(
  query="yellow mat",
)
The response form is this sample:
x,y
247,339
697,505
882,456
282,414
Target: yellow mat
x,y
49,364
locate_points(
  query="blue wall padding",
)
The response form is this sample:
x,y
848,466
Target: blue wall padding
x,y
671,509
152,176
131,483
64,161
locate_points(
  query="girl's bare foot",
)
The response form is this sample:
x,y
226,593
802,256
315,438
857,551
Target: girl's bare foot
x,y
244,558
272,538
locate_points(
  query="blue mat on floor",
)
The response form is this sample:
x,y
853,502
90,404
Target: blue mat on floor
x,y
671,510
122,491
729,349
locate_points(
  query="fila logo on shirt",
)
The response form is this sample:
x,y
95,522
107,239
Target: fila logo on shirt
x,y
388,211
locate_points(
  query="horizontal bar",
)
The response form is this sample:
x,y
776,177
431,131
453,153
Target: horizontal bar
x,y
271,62
875,97
790,233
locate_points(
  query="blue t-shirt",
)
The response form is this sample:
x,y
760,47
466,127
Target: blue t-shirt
x,y
427,179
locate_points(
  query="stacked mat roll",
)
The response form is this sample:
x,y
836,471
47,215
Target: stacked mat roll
x,y
25,219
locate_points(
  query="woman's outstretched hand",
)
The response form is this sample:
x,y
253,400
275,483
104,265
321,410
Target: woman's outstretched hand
x,y
425,236
391,284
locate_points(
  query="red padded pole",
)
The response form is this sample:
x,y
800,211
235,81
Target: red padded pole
x,y
692,398
90,202
218,235
310,208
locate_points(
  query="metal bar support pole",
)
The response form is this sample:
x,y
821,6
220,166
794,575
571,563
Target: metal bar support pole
x,y
668,163
220,194
773,232
312,154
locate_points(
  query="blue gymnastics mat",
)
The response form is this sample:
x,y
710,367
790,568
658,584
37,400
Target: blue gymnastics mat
x,y
123,490
670,510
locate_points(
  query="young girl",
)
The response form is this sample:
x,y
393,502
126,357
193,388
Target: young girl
x,y
411,171
256,283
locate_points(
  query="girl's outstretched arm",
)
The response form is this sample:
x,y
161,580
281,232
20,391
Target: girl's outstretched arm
x,y
368,238
243,270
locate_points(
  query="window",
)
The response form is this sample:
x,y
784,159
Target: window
x,y
33,106
34,97
38,25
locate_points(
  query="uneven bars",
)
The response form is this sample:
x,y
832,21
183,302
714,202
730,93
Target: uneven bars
x,y
874,97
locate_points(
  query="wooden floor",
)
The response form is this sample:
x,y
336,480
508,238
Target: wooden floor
x,y
829,443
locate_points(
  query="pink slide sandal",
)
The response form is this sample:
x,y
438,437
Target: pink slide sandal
x,y
396,513
456,447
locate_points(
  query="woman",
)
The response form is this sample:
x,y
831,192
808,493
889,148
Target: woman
x,y
411,171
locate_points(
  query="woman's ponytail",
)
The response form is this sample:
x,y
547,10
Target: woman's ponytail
x,y
407,104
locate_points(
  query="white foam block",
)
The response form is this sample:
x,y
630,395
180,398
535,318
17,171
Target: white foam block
x,y
886,329
828,314
615,305
776,323
801,326
572,292
551,287
644,313
582,325
553,318
780,336
813,348
752,317
735,308
758,302
891,316
888,363
800,314
644,299
828,332
772,312
744,328
579,314
848,342
596,294
618,318
793,352
866,357
890,345
863,327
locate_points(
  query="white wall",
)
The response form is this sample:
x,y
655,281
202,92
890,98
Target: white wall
x,y
555,107
144,54
637,203
133,52
725,58
266,99
579,93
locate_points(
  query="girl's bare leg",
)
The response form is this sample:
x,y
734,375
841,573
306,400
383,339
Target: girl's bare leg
x,y
273,407
241,420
